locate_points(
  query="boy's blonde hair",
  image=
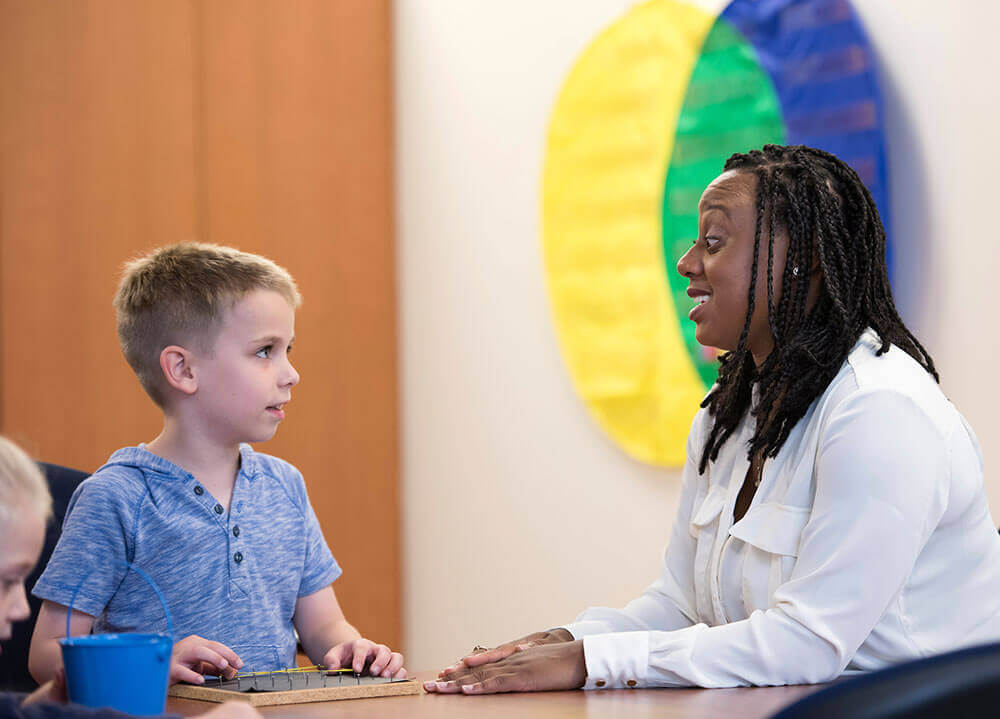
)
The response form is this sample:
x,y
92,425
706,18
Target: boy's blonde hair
x,y
177,295
21,483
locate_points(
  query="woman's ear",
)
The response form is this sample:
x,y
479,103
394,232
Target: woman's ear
x,y
177,365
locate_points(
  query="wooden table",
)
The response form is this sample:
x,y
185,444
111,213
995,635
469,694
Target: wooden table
x,y
754,703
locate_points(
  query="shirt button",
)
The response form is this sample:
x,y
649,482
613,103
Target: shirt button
x,y
238,557
199,490
631,682
236,531
219,509
600,683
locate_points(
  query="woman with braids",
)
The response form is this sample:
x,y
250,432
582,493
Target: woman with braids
x,y
832,515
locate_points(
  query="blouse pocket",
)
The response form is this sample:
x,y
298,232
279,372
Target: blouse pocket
x,y
704,527
707,512
772,532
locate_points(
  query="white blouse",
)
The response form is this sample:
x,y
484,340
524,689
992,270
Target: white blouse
x,y
869,541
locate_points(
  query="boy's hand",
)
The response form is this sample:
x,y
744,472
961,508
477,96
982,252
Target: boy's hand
x,y
358,654
194,656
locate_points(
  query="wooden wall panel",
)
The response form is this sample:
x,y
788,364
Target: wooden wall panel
x,y
297,164
96,151
267,126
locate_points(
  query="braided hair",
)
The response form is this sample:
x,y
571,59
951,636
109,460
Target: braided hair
x,y
832,223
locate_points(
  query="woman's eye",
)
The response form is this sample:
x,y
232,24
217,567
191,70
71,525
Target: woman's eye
x,y
712,242
264,352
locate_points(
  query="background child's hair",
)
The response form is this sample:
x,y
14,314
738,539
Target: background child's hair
x,y
21,483
176,295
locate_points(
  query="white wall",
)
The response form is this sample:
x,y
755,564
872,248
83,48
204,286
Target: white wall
x,y
518,511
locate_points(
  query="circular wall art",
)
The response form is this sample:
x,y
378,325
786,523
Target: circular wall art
x,y
644,121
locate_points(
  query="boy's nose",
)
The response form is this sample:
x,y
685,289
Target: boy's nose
x,y
291,376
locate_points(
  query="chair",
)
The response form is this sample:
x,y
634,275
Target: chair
x,y
962,683
14,674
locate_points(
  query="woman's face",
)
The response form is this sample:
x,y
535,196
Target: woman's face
x,y
21,539
718,267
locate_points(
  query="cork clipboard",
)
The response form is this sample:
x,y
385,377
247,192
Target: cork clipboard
x,y
294,686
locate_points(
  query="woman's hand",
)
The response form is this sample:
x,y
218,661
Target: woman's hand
x,y
547,667
358,654
482,656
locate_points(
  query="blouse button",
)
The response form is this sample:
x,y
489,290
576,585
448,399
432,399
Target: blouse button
x,y
236,531
600,683
199,490
219,509
631,682
238,557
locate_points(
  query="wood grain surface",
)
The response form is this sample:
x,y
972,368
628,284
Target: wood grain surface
x,y
750,703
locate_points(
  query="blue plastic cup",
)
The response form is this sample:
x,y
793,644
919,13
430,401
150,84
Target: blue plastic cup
x,y
127,672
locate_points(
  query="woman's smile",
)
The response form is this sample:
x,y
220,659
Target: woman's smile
x,y
700,297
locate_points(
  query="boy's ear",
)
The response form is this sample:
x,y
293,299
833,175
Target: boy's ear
x,y
177,364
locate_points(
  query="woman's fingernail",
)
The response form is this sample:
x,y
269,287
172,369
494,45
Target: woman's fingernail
x,y
430,686
375,670
471,688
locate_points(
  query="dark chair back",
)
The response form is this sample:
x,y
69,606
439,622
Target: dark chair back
x,y
14,658
962,683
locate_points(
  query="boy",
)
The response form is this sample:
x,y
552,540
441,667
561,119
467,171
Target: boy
x,y
226,533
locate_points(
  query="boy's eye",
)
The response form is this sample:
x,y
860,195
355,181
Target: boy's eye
x,y
264,352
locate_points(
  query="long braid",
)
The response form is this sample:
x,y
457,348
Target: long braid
x,y
832,225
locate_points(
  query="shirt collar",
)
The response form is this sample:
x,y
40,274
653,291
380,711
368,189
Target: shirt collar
x,y
249,462
141,458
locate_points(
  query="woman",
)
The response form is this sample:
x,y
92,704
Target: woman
x,y
25,505
832,514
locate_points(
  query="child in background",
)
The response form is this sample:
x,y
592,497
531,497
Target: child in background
x,y
228,534
25,506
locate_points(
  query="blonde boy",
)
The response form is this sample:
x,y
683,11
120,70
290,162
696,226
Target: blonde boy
x,y
227,533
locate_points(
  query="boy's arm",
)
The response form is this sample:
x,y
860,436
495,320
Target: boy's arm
x,y
329,639
192,655
45,655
